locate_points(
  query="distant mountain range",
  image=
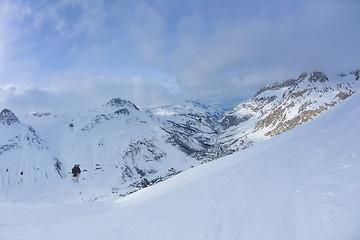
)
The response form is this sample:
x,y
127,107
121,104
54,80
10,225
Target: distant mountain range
x,y
120,148
274,109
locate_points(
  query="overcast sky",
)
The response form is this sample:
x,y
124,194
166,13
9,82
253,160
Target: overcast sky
x,y
78,54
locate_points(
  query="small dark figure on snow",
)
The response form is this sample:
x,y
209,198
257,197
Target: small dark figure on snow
x,y
76,170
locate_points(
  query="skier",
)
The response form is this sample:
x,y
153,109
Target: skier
x,y
76,170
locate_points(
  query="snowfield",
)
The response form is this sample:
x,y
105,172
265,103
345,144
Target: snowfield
x,y
302,184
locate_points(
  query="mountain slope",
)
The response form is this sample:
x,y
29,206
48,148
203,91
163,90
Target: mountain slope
x,y
303,184
280,107
26,161
118,148
190,127
204,133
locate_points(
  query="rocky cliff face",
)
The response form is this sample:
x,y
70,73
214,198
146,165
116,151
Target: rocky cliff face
x,y
237,124
280,107
273,110
309,96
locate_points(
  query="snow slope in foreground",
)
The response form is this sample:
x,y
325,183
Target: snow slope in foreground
x,y
303,184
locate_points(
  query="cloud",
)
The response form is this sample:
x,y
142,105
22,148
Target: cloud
x,y
72,93
69,18
145,24
206,49
36,37
162,51
20,20
10,13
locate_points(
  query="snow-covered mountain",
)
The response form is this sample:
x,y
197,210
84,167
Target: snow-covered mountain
x,y
189,108
282,106
201,131
119,148
191,127
26,163
298,185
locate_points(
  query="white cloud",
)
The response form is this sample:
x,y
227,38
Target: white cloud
x,y
265,38
11,12
144,22
68,93
212,50
69,17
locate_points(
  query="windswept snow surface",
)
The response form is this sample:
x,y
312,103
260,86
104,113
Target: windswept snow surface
x,y
303,184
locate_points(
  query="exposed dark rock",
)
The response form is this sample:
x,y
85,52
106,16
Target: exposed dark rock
x,y
144,183
7,147
357,74
344,95
188,139
118,102
98,166
41,114
276,86
122,111
7,117
58,167
318,76
233,120
127,172
300,119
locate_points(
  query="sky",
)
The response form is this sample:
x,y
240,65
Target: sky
x,y
78,54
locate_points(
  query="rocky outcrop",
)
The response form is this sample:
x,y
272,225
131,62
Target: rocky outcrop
x,y
7,117
280,107
310,95
317,77
118,102
357,74
233,120
303,117
274,109
276,86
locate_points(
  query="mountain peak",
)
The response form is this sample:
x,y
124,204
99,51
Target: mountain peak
x,y
118,102
7,117
276,86
318,77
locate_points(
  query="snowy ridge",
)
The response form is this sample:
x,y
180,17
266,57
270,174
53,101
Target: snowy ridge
x,y
7,117
26,161
190,107
298,185
119,149
280,107
276,108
